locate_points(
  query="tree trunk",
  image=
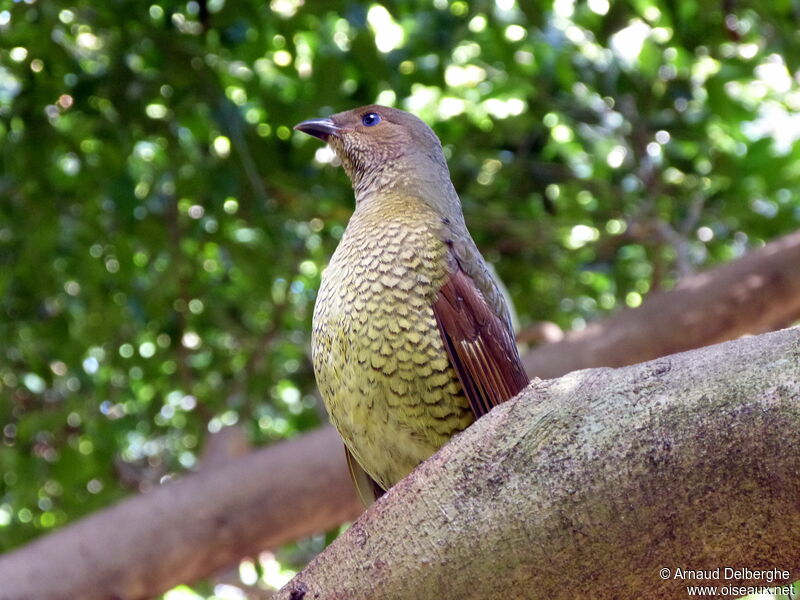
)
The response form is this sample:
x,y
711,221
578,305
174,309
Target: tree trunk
x,y
593,483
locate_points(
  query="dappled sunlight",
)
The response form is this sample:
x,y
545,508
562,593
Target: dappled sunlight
x,y
163,229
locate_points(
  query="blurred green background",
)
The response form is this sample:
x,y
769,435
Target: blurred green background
x,y
163,229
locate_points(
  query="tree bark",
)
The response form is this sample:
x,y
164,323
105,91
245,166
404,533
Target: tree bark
x,y
756,293
189,528
593,483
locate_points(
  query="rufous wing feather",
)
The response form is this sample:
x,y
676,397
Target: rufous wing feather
x,y
479,343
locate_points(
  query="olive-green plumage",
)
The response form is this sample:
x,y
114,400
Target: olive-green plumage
x,y
386,340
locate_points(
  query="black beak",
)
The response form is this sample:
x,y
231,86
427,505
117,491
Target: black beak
x,y
319,128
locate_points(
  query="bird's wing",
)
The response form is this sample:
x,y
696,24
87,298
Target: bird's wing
x,y
367,488
479,343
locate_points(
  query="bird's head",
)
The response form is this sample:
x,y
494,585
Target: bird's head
x,y
382,147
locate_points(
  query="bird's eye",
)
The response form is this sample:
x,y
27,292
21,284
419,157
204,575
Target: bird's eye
x,y
370,119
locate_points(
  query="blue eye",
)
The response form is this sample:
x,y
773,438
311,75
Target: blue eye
x,y
370,119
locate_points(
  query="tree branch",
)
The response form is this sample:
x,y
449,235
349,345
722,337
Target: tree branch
x,y
755,293
599,479
189,528
186,529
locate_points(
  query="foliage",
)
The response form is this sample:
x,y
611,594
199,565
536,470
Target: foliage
x,y
163,229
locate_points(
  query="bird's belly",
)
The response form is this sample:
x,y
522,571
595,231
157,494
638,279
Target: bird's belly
x,y
382,368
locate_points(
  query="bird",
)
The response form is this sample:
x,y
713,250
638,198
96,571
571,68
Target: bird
x,y
412,339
